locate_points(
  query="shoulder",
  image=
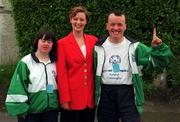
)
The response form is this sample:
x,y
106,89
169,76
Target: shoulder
x,y
101,40
26,58
64,39
24,61
91,37
129,38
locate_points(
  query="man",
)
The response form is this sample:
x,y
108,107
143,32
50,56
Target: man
x,y
118,63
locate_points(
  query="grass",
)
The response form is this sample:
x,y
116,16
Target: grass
x,y
6,72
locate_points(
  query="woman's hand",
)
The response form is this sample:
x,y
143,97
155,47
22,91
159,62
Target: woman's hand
x,y
65,106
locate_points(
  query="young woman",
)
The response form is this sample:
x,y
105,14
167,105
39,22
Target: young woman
x,y
32,94
75,70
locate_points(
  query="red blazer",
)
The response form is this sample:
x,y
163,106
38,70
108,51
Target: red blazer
x,y
75,72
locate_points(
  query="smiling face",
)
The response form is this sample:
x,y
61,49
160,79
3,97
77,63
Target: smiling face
x,y
44,46
78,22
116,27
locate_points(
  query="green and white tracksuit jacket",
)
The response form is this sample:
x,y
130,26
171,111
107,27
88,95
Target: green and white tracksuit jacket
x,y
33,87
140,57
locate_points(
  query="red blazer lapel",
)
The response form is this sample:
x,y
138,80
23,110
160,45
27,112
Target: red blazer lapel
x,y
88,46
75,46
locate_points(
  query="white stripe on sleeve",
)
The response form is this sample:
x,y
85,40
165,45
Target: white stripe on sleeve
x,y
16,98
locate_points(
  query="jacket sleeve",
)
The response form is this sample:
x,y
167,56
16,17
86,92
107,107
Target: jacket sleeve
x,y
97,74
96,82
17,99
94,61
154,57
63,82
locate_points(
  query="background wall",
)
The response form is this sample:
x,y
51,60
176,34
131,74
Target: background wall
x,y
8,46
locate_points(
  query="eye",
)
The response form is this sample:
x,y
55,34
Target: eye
x,y
49,42
81,19
43,40
112,24
119,24
75,18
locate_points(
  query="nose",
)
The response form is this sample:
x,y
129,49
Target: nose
x,y
116,27
46,42
78,21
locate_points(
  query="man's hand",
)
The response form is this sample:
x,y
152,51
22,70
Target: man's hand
x,y
155,40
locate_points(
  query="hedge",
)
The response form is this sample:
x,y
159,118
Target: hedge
x,y
142,16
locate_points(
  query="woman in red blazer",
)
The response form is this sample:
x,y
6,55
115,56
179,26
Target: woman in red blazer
x,y
75,70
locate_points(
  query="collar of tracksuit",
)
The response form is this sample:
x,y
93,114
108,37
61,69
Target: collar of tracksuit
x,y
52,58
103,39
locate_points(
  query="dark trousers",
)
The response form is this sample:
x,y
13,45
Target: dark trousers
x,y
48,116
86,115
117,103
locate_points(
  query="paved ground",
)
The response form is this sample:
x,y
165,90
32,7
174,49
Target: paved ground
x,y
158,112
4,117
146,117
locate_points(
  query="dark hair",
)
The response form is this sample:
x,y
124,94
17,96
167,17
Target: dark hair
x,y
73,12
45,34
116,13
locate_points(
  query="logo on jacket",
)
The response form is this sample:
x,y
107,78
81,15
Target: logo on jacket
x,y
54,74
115,60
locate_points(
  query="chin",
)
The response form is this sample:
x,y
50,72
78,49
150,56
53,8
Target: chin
x,y
116,36
78,30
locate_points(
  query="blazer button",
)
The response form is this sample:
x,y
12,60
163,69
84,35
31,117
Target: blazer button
x,y
85,76
85,70
85,64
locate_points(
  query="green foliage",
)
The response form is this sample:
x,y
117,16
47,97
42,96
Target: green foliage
x,y
6,72
142,16
174,72
149,90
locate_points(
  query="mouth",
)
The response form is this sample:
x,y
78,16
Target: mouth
x,y
45,48
78,27
116,32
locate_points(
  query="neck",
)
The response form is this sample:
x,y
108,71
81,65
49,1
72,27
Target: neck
x,y
116,40
78,34
42,56
79,37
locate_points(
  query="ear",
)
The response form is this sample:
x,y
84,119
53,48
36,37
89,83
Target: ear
x,y
106,26
70,20
125,26
86,22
